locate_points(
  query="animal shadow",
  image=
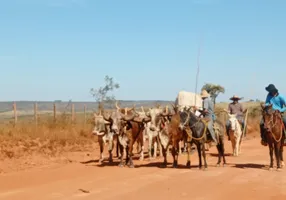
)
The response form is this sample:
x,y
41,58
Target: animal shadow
x,y
216,154
250,165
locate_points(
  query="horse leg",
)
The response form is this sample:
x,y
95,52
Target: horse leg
x,y
222,151
271,155
219,154
204,156
281,153
277,155
199,145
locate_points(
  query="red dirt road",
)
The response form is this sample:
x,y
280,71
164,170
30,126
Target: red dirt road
x,y
245,177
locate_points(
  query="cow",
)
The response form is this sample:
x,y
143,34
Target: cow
x,y
104,134
159,124
129,129
151,134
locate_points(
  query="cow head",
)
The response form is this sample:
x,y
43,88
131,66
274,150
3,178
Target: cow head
x,y
157,117
118,119
99,124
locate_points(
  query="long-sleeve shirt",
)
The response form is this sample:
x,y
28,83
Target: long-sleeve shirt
x,y
236,108
278,102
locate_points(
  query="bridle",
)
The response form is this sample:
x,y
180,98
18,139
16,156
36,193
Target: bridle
x,y
271,124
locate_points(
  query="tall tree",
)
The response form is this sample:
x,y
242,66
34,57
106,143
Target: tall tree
x,y
101,94
214,90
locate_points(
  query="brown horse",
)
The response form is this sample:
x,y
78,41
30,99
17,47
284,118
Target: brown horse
x,y
273,130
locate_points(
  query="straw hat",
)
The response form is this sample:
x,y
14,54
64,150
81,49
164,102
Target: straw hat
x,y
204,94
234,97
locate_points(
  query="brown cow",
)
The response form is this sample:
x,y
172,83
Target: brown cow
x,y
129,129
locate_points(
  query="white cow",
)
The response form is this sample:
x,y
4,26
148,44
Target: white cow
x,y
150,135
102,130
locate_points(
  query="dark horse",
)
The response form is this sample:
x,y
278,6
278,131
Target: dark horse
x,y
273,130
198,134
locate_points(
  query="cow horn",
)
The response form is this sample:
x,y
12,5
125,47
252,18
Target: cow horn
x,y
142,109
126,118
116,105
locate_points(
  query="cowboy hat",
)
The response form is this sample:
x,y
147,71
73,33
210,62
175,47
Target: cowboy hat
x,y
271,88
204,94
234,97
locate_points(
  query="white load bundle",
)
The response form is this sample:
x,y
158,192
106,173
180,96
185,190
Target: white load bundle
x,y
187,99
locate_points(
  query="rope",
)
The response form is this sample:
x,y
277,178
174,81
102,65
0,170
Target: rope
x,y
200,138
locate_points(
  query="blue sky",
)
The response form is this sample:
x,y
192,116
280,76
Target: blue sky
x,y
59,49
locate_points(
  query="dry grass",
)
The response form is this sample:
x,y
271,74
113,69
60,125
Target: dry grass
x,y
48,138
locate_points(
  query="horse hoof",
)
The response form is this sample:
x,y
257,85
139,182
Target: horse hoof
x,y
279,169
282,164
188,165
271,169
218,165
120,165
131,166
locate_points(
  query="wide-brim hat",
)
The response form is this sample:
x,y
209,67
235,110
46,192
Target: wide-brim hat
x,y
271,88
204,94
234,97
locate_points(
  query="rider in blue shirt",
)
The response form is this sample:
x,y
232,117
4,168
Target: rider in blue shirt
x,y
278,103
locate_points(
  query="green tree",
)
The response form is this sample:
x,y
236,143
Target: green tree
x,y
214,90
101,94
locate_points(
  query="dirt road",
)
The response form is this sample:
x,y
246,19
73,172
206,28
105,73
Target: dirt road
x,y
245,177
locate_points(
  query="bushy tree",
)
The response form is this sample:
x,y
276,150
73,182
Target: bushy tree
x,y
101,94
214,90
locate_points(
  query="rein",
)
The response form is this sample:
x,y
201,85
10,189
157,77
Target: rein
x,y
194,125
272,125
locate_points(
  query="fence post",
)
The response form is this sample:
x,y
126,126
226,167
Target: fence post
x,y
72,113
84,112
55,112
36,113
15,113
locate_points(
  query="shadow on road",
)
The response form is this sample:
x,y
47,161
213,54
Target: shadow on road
x,y
250,165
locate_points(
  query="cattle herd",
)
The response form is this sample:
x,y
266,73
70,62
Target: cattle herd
x,y
170,130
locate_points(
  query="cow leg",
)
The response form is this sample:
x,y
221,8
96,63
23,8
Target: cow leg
x,y
180,147
204,156
130,161
175,151
101,147
150,142
271,155
160,146
117,148
189,145
141,144
110,149
164,155
155,148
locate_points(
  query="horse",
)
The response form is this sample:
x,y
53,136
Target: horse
x,y
235,133
273,130
197,131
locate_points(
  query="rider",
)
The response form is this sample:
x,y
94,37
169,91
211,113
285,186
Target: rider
x,y
208,112
278,103
235,108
